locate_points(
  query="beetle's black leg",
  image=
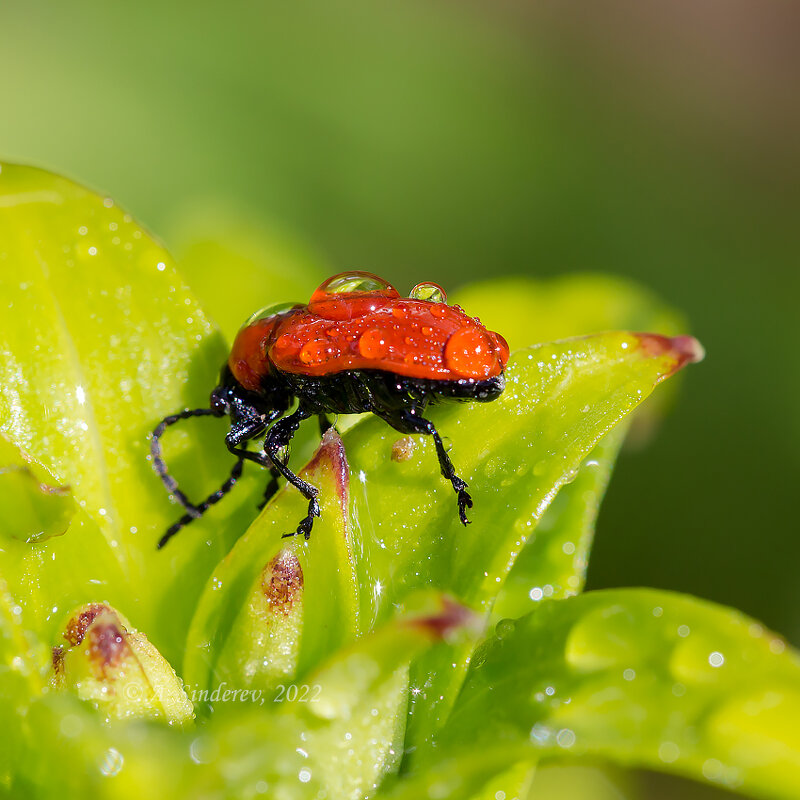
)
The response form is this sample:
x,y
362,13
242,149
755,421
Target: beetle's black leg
x,y
271,488
413,423
273,485
160,466
244,427
279,436
206,504
324,424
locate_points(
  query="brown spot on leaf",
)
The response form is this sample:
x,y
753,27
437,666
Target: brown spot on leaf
x,y
331,450
683,349
331,455
107,645
80,622
403,449
282,582
442,624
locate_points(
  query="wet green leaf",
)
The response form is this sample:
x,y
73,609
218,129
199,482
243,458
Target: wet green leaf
x,y
309,606
355,723
553,563
640,677
528,311
31,509
561,399
100,340
103,339
404,533
65,749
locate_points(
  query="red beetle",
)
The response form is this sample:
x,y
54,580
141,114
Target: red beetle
x,y
357,347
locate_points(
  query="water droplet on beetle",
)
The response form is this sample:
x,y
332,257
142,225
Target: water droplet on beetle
x,y
372,344
428,291
468,352
317,352
285,343
355,282
269,311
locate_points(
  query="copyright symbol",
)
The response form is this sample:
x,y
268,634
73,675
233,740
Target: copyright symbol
x,y
132,691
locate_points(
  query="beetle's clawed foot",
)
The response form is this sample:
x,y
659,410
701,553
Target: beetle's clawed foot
x,y
464,502
464,499
304,528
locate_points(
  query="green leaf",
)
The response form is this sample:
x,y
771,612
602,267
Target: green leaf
x,y
560,401
281,601
354,727
65,749
100,340
31,509
527,311
643,678
553,563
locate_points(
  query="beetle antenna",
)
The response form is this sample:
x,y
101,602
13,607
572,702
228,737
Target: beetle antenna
x,y
160,465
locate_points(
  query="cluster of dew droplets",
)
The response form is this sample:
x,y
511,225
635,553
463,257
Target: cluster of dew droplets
x,y
349,296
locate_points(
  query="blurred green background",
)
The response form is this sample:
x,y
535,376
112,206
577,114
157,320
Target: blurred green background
x,y
455,141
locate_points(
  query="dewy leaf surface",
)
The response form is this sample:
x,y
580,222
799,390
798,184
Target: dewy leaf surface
x,y
553,563
515,454
31,509
561,399
316,585
99,340
641,677
354,726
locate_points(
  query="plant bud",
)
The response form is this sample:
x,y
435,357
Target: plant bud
x,y
115,667
265,641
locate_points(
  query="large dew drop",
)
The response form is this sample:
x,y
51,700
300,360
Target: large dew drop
x,y
350,295
269,311
352,283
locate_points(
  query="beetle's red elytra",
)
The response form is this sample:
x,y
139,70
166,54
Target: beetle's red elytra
x,y
368,329
356,347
